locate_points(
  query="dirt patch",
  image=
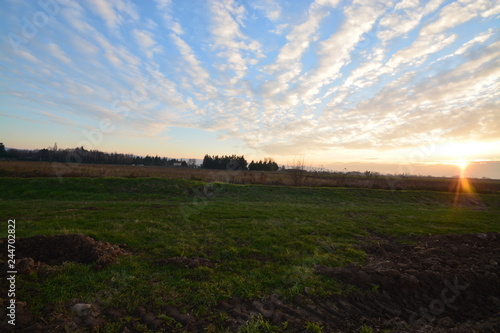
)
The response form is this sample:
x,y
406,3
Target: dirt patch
x,y
446,283
34,252
93,317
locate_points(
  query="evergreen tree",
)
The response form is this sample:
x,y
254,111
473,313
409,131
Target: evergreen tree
x,y
225,162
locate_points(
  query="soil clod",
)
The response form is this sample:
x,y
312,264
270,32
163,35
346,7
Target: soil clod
x,y
32,252
442,283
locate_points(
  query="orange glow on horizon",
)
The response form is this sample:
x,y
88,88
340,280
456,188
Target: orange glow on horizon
x,y
464,186
462,165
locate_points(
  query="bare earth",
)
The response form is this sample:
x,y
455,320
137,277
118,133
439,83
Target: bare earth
x,y
444,283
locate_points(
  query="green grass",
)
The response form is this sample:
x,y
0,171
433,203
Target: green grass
x,y
263,239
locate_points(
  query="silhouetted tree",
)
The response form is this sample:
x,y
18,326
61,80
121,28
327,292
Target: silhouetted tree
x,y
232,162
81,155
3,152
267,165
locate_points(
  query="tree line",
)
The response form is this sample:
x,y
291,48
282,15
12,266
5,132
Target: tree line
x,y
267,165
82,155
225,162
234,162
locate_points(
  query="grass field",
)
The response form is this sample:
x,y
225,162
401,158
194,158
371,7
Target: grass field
x,y
261,239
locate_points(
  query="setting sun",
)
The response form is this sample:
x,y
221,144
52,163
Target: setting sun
x,y
462,165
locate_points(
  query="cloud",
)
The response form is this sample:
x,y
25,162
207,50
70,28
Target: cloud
x,y
406,17
271,8
126,7
198,75
28,56
279,28
83,46
105,10
146,42
57,53
163,4
375,77
288,65
430,40
367,73
335,52
144,38
238,50
67,121
452,99
165,91
417,52
165,8
117,55
458,100
481,39
474,42
458,13
113,12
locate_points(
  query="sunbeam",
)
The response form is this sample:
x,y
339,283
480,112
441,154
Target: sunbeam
x,y
465,195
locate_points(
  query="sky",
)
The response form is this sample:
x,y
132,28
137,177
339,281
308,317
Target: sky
x,y
391,86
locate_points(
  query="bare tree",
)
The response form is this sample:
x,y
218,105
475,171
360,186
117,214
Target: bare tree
x,y
298,172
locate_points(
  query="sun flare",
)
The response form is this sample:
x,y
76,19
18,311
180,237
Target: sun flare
x,y
462,165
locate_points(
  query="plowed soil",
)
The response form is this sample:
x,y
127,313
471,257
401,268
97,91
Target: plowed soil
x,y
32,252
445,283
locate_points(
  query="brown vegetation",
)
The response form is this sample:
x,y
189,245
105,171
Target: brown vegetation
x,y
292,177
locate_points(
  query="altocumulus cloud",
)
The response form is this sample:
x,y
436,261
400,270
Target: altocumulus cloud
x,y
285,77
